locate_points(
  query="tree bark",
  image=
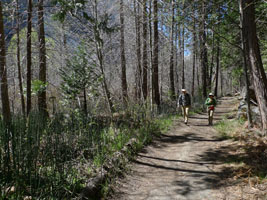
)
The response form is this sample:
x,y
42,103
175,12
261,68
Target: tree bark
x,y
123,59
217,68
85,102
155,54
212,62
99,52
217,60
180,58
172,89
42,58
183,63
222,78
138,52
194,55
18,60
203,49
258,73
3,72
244,46
29,56
150,74
176,58
197,66
145,61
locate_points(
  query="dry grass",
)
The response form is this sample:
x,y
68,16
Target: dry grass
x,y
246,159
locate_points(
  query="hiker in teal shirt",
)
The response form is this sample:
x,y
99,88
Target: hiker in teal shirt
x,y
210,103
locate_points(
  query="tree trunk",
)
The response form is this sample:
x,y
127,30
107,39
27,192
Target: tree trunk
x,y
180,54
138,52
244,45
176,58
217,60
212,62
150,85
221,75
85,102
197,66
145,62
258,73
3,72
29,56
217,69
155,54
18,61
123,60
203,49
183,64
63,45
172,89
99,52
42,58
194,55
106,90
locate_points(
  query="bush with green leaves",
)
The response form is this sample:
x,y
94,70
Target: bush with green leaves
x,y
79,76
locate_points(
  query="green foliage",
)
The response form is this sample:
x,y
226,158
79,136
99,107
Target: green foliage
x,y
261,9
67,6
79,74
38,86
236,73
12,48
227,128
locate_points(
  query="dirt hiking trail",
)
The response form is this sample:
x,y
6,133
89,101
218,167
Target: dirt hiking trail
x,y
181,164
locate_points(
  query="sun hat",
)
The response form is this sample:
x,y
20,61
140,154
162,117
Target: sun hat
x,y
210,94
183,90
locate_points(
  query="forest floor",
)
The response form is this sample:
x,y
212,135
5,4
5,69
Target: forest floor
x,y
188,163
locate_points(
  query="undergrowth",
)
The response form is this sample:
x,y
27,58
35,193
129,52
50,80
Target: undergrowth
x,y
53,158
229,128
248,154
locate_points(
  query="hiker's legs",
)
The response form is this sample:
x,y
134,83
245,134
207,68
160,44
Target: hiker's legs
x,y
183,111
211,116
186,114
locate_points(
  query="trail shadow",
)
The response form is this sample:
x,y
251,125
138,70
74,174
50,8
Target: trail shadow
x,y
173,168
186,138
184,187
253,156
197,117
196,179
170,160
201,182
163,140
220,107
221,112
200,125
214,179
202,113
206,117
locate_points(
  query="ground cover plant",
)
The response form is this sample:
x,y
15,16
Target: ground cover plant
x,y
55,157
